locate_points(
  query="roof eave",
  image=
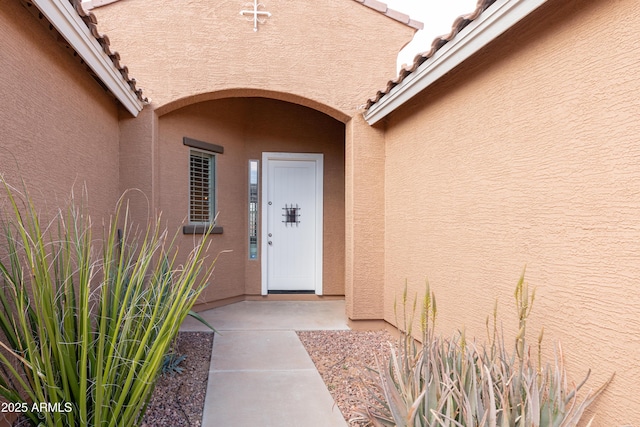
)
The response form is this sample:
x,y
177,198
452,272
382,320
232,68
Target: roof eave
x,y
62,15
497,19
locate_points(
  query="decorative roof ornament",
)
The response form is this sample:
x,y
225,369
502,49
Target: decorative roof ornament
x,y
259,16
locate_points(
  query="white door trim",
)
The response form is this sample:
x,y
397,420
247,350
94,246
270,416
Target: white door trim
x,y
319,160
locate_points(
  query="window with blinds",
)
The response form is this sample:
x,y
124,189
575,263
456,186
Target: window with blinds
x,y
201,187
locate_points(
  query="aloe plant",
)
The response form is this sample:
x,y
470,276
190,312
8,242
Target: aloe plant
x,y
456,383
86,322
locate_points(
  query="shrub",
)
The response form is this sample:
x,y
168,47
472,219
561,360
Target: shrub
x,y
454,382
87,322
171,363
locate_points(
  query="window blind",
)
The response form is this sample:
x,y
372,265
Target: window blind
x,y
201,178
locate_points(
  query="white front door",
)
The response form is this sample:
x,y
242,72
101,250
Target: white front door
x,y
292,222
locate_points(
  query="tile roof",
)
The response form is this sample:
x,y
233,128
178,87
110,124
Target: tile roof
x,y
91,22
458,25
391,13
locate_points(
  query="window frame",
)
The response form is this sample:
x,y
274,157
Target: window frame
x,y
211,150
212,186
254,215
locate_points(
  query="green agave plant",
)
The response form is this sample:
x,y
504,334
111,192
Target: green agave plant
x,y
87,323
456,383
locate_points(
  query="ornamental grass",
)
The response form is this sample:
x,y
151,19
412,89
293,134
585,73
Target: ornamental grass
x,y
86,322
454,382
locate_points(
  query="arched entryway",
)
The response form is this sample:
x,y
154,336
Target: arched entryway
x,y
230,136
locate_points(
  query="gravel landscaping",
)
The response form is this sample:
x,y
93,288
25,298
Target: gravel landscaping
x,y
341,358
178,398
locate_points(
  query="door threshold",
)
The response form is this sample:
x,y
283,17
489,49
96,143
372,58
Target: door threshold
x,y
291,292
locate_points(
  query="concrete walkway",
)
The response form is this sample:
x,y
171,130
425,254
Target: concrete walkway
x,y
260,374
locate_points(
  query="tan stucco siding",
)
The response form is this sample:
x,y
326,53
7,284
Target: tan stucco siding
x,y
364,191
329,55
247,127
529,154
59,127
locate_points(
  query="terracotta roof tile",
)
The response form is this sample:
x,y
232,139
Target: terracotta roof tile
x,y
91,22
381,7
458,25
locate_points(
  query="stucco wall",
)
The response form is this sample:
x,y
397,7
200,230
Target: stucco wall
x,y
329,56
59,127
246,127
332,55
529,154
365,230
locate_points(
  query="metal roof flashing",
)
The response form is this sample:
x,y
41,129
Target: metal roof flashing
x,y
382,8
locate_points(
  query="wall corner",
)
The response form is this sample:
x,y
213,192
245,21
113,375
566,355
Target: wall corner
x,y
364,220
138,165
